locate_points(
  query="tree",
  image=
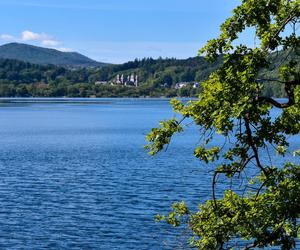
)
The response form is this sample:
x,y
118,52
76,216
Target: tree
x,y
232,105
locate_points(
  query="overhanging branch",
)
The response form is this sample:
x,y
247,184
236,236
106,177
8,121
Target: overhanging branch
x,y
289,89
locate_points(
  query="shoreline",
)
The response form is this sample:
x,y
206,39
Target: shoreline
x,y
78,100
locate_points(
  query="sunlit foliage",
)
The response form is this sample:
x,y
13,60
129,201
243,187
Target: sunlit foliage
x,y
233,105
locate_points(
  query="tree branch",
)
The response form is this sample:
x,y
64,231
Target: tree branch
x,y
252,145
289,89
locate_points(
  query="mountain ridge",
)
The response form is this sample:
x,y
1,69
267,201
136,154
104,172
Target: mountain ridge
x,y
45,56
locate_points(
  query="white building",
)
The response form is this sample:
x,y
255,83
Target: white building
x,y
196,85
131,80
181,85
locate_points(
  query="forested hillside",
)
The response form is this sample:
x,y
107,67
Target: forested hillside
x,y
155,78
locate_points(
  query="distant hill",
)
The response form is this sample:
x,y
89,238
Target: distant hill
x,y
44,56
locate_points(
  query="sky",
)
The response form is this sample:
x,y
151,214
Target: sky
x,y
115,31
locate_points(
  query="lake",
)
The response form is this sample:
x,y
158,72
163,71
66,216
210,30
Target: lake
x,y
75,175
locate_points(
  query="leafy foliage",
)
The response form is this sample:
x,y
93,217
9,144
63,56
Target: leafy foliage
x,y
233,104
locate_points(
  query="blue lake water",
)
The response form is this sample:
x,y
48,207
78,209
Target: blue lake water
x,y
74,175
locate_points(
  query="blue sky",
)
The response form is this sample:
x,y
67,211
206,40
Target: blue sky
x,y
115,31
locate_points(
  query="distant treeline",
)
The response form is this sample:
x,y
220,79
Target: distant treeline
x,y
156,78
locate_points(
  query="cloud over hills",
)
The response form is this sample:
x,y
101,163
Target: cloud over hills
x,y
42,39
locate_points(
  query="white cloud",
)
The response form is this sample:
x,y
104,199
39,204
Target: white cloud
x,y
42,39
50,43
7,38
62,49
32,36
